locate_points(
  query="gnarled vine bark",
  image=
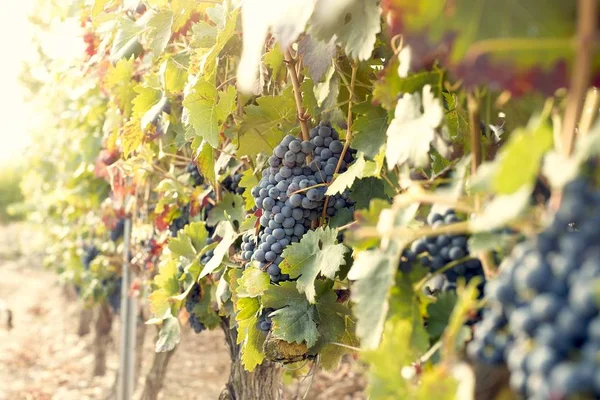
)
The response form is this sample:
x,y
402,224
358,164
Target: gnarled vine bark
x,y
102,338
263,383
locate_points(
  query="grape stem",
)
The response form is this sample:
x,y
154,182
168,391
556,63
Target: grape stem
x,y
302,116
489,267
586,32
348,134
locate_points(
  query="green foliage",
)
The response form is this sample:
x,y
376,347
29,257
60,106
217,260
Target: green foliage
x,y
175,85
10,193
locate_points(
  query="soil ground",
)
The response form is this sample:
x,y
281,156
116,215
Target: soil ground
x,y
42,357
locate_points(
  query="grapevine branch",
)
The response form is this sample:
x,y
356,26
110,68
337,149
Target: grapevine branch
x,y
487,262
348,133
302,117
586,32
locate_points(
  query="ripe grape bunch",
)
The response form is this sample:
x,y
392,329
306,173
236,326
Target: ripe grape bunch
x,y
543,316
117,232
192,299
196,177
435,252
264,322
291,194
181,221
205,258
89,254
232,184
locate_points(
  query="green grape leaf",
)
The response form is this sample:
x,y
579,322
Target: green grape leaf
x,y
316,253
274,60
208,60
523,153
358,170
374,272
248,181
125,43
439,314
182,11
204,309
157,28
355,25
169,335
173,76
363,190
265,123
204,35
143,104
317,55
119,82
197,233
254,281
411,131
331,354
206,162
295,319
167,286
249,336
230,208
370,131
226,103
182,246
228,237
131,136
404,341
342,217
99,6
201,104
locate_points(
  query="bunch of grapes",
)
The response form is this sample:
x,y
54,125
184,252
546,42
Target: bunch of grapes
x,y
209,254
543,311
192,299
181,221
114,297
89,254
248,246
291,193
264,322
435,252
232,184
117,232
196,177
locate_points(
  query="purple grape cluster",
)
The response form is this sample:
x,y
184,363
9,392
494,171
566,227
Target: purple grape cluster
x,y
192,299
291,193
181,221
435,252
232,184
543,316
264,322
248,245
195,175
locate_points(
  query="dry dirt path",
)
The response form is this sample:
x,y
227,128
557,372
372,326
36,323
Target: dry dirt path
x,y
42,357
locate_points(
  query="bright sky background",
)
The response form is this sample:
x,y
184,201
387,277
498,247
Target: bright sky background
x,y
15,42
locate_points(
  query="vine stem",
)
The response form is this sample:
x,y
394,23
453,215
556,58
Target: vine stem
x,y
586,32
487,263
302,117
348,134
